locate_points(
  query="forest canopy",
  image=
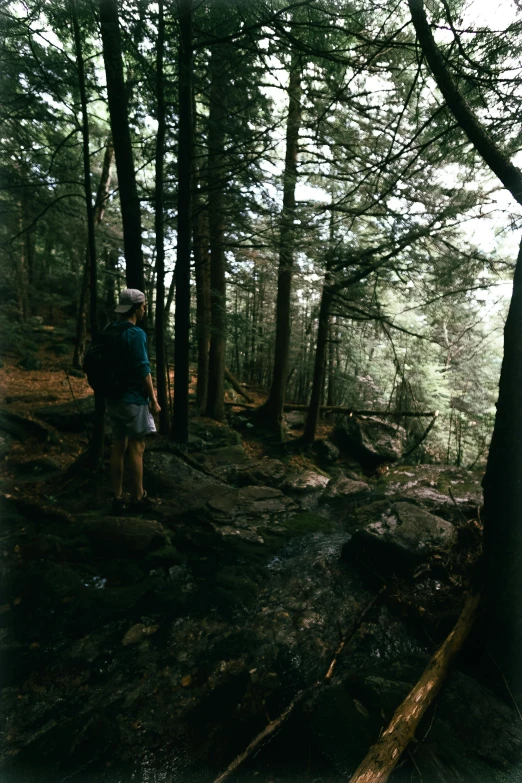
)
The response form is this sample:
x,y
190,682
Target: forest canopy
x,y
285,183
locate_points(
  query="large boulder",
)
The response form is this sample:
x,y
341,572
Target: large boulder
x,y
369,440
443,489
401,536
326,451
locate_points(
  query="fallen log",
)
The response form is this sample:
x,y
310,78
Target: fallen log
x,y
353,412
236,385
347,411
383,756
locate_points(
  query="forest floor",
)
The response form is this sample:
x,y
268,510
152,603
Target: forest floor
x,y
155,648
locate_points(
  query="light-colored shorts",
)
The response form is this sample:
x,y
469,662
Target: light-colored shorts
x,y
130,421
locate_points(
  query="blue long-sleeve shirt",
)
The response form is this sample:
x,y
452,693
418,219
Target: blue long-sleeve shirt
x,y
136,340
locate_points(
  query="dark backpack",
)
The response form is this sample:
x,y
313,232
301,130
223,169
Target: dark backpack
x,y
106,363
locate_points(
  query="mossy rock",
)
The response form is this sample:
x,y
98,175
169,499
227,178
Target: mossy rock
x,y
165,555
30,363
61,349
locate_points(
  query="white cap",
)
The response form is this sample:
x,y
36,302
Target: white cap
x,y
128,298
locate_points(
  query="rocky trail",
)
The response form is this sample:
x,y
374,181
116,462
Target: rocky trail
x,y
267,587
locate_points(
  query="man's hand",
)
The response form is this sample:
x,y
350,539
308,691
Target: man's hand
x,y
154,406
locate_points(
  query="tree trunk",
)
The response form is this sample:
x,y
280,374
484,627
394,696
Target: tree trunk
x,y
503,480
161,375
216,176
99,211
272,410
185,158
97,440
320,361
118,112
202,274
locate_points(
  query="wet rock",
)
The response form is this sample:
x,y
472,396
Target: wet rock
x,y
326,451
400,536
344,488
138,632
307,481
70,416
369,440
86,649
123,534
240,512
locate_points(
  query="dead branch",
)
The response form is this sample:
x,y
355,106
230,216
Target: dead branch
x,y
383,756
236,385
278,722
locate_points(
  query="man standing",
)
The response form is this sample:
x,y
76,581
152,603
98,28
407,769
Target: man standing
x,y
131,411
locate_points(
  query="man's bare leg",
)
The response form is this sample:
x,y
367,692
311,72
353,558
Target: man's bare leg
x,y
117,458
136,449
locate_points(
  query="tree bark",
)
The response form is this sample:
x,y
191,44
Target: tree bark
x,y
320,362
272,410
382,757
216,177
161,375
95,456
503,480
99,210
185,158
119,119
202,275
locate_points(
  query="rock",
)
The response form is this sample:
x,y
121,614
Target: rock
x,y
433,486
344,488
295,420
167,474
225,461
369,440
70,416
60,349
267,472
124,534
30,363
401,536
213,433
326,450
138,632
307,481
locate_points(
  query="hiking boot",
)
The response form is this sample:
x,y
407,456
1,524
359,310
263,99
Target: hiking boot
x,y
145,503
118,506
